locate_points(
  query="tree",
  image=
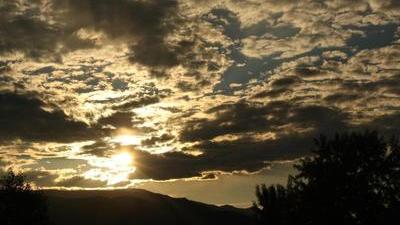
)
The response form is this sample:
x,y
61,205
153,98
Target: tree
x,y
19,204
352,178
272,205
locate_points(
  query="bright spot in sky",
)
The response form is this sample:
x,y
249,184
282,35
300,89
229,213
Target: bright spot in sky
x,y
126,136
122,159
114,169
127,139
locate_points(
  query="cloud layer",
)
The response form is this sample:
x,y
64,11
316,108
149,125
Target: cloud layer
x,y
191,89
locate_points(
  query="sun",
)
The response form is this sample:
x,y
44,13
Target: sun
x,y
122,159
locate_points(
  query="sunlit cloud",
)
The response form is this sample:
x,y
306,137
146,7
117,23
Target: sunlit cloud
x,y
126,139
113,170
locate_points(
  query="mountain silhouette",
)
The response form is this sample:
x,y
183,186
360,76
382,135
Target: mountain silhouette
x,y
136,206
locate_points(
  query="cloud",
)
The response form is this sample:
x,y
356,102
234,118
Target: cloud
x,y
26,29
175,165
117,119
41,177
78,181
143,25
55,163
46,30
28,118
136,103
211,85
2,164
99,148
249,151
231,118
228,156
388,124
242,117
160,139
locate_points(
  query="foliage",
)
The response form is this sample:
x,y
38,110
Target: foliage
x,y
273,200
19,204
352,178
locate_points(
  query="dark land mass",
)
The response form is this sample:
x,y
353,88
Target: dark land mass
x,y
136,206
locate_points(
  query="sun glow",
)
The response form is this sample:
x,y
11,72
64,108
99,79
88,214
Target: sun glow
x,y
126,136
114,170
127,139
122,159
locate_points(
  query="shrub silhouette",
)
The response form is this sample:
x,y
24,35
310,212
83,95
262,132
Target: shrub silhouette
x,y
19,204
274,200
352,178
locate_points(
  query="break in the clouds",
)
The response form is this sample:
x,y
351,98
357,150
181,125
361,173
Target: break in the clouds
x,y
98,94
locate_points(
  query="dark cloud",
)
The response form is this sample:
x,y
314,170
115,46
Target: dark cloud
x,y
43,70
160,139
144,25
271,93
164,166
2,163
240,155
306,71
45,30
285,82
320,118
147,95
341,97
23,32
387,124
245,117
174,165
99,148
248,152
389,83
22,29
5,66
78,181
231,119
209,176
24,117
118,119
40,178
136,103
186,86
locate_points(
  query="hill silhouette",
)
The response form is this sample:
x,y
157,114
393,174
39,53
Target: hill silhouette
x,y
136,206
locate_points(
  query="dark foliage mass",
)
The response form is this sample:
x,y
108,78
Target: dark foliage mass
x,y
19,204
352,178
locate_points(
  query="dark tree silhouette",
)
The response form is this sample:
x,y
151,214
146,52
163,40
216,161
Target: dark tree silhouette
x,y
274,200
352,178
19,204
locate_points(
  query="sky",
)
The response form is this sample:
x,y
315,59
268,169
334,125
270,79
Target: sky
x,y
201,99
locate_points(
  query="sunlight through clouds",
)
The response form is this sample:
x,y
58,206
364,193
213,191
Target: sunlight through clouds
x,y
113,170
189,87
